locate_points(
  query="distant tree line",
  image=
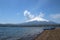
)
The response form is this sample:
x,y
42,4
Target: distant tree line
x,y
19,25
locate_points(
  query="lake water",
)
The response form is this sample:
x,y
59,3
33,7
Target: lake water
x,y
15,33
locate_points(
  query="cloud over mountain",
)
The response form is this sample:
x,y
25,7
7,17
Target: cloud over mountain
x,y
55,16
41,14
28,14
33,17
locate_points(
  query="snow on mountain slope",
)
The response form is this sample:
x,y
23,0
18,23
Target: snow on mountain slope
x,y
37,19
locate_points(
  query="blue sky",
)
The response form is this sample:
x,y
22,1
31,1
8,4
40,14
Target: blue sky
x,y
12,11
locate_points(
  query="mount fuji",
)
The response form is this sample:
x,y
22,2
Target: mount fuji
x,y
34,22
38,21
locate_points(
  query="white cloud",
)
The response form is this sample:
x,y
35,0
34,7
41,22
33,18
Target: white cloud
x,y
55,16
32,17
28,15
41,14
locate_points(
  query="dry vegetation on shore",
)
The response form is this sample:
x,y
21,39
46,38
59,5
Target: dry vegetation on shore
x,y
49,35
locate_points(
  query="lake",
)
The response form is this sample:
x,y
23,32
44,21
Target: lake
x,y
15,33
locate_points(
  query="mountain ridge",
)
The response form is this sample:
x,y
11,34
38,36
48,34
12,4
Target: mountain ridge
x,y
38,21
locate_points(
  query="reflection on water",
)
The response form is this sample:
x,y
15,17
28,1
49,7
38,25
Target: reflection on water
x,y
13,33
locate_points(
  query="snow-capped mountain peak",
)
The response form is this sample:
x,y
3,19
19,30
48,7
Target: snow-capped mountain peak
x,y
37,19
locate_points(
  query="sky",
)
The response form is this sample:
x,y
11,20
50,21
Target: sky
x,y
12,11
